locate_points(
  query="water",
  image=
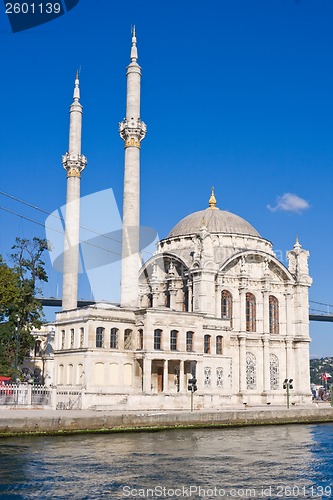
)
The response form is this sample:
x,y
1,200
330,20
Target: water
x,y
291,461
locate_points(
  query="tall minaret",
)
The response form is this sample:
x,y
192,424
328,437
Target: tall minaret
x,y
132,130
73,162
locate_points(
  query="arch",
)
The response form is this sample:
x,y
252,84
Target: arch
x,y
63,339
99,342
285,273
274,372
226,305
251,371
173,340
81,337
128,339
72,337
273,314
61,374
157,339
207,342
250,312
140,339
79,372
128,374
219,344
189,341
70,380
114,374
38,346
99,373
114,338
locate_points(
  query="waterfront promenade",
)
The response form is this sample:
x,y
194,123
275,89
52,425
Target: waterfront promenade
x,y
25,421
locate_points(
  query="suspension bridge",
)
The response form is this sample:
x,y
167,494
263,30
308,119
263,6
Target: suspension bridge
x,y
318,311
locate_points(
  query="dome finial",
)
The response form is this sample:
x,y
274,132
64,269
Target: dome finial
x,y
212,200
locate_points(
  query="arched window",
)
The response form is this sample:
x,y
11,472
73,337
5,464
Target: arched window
x,y
189,341
61,374
273,314
226,305
63,339
251,371
219,344
250,312
274,371
173,340
72,338
114,338
207,344
157,339
99,336
81,337
70,374
128,336
38,345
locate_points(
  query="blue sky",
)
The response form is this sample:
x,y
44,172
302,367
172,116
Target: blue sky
x,y
236,94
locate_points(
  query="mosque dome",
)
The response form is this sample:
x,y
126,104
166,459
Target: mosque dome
x,y
215,220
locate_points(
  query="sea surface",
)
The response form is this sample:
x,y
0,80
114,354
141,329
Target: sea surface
x,y
285,461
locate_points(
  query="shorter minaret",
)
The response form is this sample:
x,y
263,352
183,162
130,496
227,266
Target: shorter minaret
x,y
74,162
132,130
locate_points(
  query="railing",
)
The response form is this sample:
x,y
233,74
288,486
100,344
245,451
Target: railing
x,y
69,397
25,395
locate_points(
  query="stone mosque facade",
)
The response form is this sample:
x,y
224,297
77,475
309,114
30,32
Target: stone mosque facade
x,y
213,303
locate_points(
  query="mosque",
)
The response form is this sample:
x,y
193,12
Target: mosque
x,y
213,303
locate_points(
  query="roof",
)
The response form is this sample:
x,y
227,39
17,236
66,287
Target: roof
x,y
216,221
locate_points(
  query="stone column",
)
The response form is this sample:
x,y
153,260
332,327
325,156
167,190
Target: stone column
x,y
166,376
189,287
181,376
147,375
242,312
218,290
242,363
266,364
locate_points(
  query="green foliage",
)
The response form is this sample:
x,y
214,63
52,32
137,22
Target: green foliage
x,y
19,309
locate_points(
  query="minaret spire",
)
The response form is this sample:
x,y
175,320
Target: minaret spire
x,y
74,162
132,130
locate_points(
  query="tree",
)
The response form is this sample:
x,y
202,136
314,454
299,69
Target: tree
x,y
19,305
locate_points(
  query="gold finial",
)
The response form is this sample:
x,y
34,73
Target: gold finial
x,y
212,200
297,242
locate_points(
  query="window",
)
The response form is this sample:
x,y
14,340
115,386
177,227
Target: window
x,y
173,340
114,338
274,372
157,339
81,337
250,312
251,371
219,344
219,377
140,340
208,376
273,314
226,305
128,336
99,337
72,338
207,344
63,337
38,345
189,341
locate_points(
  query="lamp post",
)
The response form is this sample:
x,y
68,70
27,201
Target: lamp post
x,y
17,330
287,384
193,388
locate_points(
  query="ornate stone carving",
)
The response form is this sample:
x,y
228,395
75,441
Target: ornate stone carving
x,y
132,132
274,372
251,371
74,164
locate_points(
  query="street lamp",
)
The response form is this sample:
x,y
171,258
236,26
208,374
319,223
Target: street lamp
x,y
17,330
287,384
